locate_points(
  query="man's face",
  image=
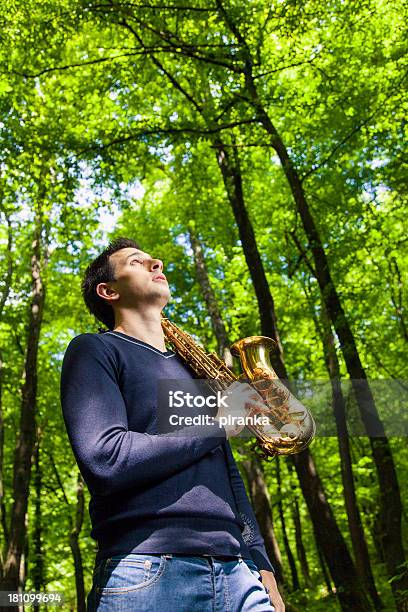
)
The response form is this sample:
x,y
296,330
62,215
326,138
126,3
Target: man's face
x,y
139,279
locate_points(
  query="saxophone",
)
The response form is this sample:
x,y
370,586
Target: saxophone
x,y
291,427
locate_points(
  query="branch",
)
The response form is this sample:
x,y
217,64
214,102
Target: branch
x,y
261,34
243,145
185,49
398,377
59,481
77,65
18,342
159,65
262,74
158,131
232,25
303,253
354,131
163,7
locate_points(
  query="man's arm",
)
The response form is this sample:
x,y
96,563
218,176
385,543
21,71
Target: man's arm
x,y
112,458
255,540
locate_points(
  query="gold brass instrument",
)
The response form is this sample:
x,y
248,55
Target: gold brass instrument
x,y
291,427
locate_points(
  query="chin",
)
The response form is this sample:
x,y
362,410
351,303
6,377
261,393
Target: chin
x,y
163,296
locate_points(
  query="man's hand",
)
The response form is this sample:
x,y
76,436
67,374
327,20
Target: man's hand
x,y
242,401
269,582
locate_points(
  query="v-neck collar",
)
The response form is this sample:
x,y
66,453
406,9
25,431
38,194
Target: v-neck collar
x,y
165,354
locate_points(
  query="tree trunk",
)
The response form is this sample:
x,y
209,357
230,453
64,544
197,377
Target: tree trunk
x,y
75,527
38,570
231,174
4,295
327,531
288,550
329,537
261,502
23,565
210,299
74,544
325,573
300,547
27,431
390,497
361,554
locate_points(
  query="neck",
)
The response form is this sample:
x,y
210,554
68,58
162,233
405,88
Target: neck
x,y
144,326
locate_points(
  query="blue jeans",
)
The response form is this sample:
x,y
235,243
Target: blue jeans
x,y
177,583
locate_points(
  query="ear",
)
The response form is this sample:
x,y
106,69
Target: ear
x,y
107,293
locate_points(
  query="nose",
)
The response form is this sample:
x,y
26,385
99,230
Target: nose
x,y
156,264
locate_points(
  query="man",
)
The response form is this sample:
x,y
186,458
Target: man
x,y
170,514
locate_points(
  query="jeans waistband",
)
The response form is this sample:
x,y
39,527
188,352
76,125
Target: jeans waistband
x,y
208,556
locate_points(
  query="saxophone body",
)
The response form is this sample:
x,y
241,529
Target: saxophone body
x,y
291,426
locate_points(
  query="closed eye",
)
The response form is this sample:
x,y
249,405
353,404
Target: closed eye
x,y
136,261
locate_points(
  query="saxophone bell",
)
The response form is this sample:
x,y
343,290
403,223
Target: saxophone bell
x,y
291,426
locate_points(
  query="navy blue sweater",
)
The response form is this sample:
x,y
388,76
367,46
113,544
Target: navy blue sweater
x,y
150,493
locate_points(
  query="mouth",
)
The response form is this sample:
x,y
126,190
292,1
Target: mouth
x,y
160,277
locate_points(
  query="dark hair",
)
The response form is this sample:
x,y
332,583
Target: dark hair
x,y
100,270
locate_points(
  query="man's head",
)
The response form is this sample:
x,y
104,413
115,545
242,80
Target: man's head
x,y
123,277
